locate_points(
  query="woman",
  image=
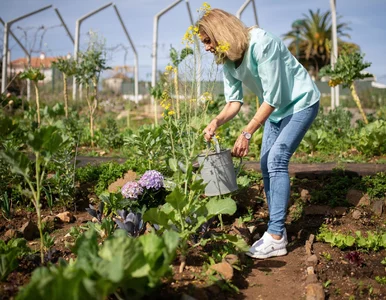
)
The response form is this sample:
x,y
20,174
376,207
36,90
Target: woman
x,y
289,102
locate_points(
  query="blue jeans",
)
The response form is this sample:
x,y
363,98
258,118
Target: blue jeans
x,y
280,141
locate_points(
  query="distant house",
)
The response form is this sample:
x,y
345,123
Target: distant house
x,y
42,62
115,83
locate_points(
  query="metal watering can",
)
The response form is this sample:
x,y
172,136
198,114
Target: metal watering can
x,y
218,171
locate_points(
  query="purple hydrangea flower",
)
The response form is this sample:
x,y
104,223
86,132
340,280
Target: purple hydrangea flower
x,y
132,190
151,180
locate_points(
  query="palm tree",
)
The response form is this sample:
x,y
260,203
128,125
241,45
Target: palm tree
x,y
313,33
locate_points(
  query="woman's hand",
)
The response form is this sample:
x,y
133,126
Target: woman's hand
x,y
241,147
209,131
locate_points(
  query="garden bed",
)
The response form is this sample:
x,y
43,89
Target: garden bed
x,y
340,276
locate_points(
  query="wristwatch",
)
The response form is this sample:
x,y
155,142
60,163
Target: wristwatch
x,y
247,135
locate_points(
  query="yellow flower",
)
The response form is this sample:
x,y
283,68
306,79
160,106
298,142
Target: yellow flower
x,y
205,8
171,112
206,96
189,35
168,68
222,47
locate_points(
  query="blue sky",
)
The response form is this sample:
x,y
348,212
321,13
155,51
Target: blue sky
x,y
366,18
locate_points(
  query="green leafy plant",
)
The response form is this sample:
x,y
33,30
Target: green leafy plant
x,y
326,256
375,185
109,136
187,212
370,138
45,142
129,268
380,279
372,241
48,242
6,206
10,253
348,68
35,75
149,144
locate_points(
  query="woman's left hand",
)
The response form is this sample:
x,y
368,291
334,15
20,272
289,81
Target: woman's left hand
x,y
241,147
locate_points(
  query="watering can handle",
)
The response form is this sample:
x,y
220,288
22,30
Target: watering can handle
x,y
216,144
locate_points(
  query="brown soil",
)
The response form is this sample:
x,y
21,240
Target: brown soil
x,y
273,278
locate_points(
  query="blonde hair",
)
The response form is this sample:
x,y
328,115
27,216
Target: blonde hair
x,y
222,27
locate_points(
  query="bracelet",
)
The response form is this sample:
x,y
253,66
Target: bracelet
x,y
257,121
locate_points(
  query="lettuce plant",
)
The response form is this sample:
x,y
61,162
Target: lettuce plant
x,y
126,267
9,255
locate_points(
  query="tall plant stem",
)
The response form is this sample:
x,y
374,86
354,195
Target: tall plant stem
x,y
176,92
65,94
37,101
155,113
358,102
36,200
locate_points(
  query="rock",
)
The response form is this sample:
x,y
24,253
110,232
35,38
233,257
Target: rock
x,y
232,259
256,237
29,231
364,201
324,210
309,244
50,222
315,291
310,270
118,184
338,211
354,196
356,214
240,229
312,261
311,278
251,229
378,207
11,234
305,195
222,268
66,217
308,247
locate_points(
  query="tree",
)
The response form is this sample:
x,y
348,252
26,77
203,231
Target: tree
x,y
88,70
68,69
313,32
35,75
347,69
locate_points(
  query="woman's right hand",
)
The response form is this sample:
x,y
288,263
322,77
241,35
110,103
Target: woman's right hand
x,y
209,131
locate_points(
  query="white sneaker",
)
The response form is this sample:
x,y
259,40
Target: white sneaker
x,y
267,246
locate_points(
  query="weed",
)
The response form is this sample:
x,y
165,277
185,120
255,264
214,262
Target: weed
x,y
326,256
327,284
380,279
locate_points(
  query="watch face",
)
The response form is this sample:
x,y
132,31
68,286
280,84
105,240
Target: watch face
x,y
247,135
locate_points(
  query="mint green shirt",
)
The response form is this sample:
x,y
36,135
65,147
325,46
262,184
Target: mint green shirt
x,y
270,71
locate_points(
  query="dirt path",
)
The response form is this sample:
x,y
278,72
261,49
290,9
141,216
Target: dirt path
x,y
277,278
